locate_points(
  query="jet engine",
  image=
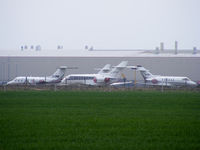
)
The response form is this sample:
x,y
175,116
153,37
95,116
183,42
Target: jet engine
x,y
154,81
101,80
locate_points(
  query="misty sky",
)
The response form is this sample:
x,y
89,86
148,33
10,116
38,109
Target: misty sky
x,y
100,23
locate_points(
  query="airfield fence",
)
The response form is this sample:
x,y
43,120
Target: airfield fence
x,y
91,88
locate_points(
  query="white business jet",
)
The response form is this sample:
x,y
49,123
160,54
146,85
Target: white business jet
x,y
54,78
105,76
151,79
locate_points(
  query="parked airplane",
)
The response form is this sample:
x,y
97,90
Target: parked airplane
x,y
151,79
105,76
54,78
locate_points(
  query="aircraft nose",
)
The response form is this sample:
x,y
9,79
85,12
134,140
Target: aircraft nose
x,y
193,83
8,83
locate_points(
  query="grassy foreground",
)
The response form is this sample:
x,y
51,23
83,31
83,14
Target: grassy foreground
x,y
99,120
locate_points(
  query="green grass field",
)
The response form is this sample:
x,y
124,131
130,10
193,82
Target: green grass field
x,y
99,120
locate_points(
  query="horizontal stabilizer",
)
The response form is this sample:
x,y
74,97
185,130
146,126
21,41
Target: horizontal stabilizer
x,y
131,67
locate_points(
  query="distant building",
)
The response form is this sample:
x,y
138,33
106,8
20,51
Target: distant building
x,y
38,48
86,47
91,48
176,47
194,50
32,47
157,50
59,47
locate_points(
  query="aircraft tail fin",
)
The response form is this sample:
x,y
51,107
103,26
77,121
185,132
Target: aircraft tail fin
x,y
60,72
118,69
105,69
144,72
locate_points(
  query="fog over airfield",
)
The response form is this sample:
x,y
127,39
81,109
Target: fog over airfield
x,y
103,24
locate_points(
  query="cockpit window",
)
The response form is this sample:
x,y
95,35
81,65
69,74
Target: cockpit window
x,y
186,79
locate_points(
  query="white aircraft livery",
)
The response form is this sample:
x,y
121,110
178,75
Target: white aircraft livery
x,y
54,78
105,76
151,79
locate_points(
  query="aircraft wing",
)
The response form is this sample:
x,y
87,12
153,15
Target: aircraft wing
x,y
121,83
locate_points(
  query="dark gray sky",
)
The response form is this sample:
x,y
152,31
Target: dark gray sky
x,y
101,23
